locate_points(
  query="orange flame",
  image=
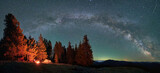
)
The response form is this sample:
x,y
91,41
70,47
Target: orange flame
x,y
37,62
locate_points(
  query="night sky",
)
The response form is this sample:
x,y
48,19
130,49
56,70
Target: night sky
x,y
126,30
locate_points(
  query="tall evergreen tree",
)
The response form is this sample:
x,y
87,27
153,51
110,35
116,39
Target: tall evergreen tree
x,y
76,48
84,53
42,54
13,44
70,54
79,54
75,53
56,58
48,45
49,50
64,55
88,52
32,49
60,52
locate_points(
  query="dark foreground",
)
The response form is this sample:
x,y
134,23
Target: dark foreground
x,y
20,67
151,67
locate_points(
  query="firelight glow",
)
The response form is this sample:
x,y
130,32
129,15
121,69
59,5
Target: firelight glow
x,y
37,62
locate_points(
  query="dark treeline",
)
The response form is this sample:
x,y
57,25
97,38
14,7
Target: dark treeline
x,y
15,46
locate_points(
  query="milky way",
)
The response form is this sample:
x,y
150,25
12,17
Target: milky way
x,y
117,29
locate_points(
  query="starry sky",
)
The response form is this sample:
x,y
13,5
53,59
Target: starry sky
x,y
127,30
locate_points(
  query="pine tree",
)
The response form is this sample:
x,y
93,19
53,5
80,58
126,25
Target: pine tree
x,y
70,54
88,52
32,49
75,53
60,52
64,58
56,60
76,48
49,50
13,43
42,54
48,45
79,55
84,53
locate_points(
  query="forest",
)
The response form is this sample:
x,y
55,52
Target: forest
x,y
15,46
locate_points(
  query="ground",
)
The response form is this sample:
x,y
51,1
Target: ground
x,y
21,67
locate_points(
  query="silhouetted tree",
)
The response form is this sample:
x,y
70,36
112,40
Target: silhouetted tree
x,y
64,55
48,45
42,54
60,52
70,54
88,50
76,48
56,58
75,52
13,44
84,53
32,49
79,54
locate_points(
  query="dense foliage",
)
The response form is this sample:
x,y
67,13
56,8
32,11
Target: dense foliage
x,y
81,55
13,44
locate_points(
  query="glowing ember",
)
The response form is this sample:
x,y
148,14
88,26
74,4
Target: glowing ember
x,y
37,62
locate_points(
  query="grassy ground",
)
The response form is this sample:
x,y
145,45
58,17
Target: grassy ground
x,y
20,67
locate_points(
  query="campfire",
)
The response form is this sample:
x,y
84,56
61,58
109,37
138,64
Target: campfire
x,y
37,61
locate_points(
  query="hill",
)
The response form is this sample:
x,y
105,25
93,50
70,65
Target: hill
x,y
21,67
152,67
